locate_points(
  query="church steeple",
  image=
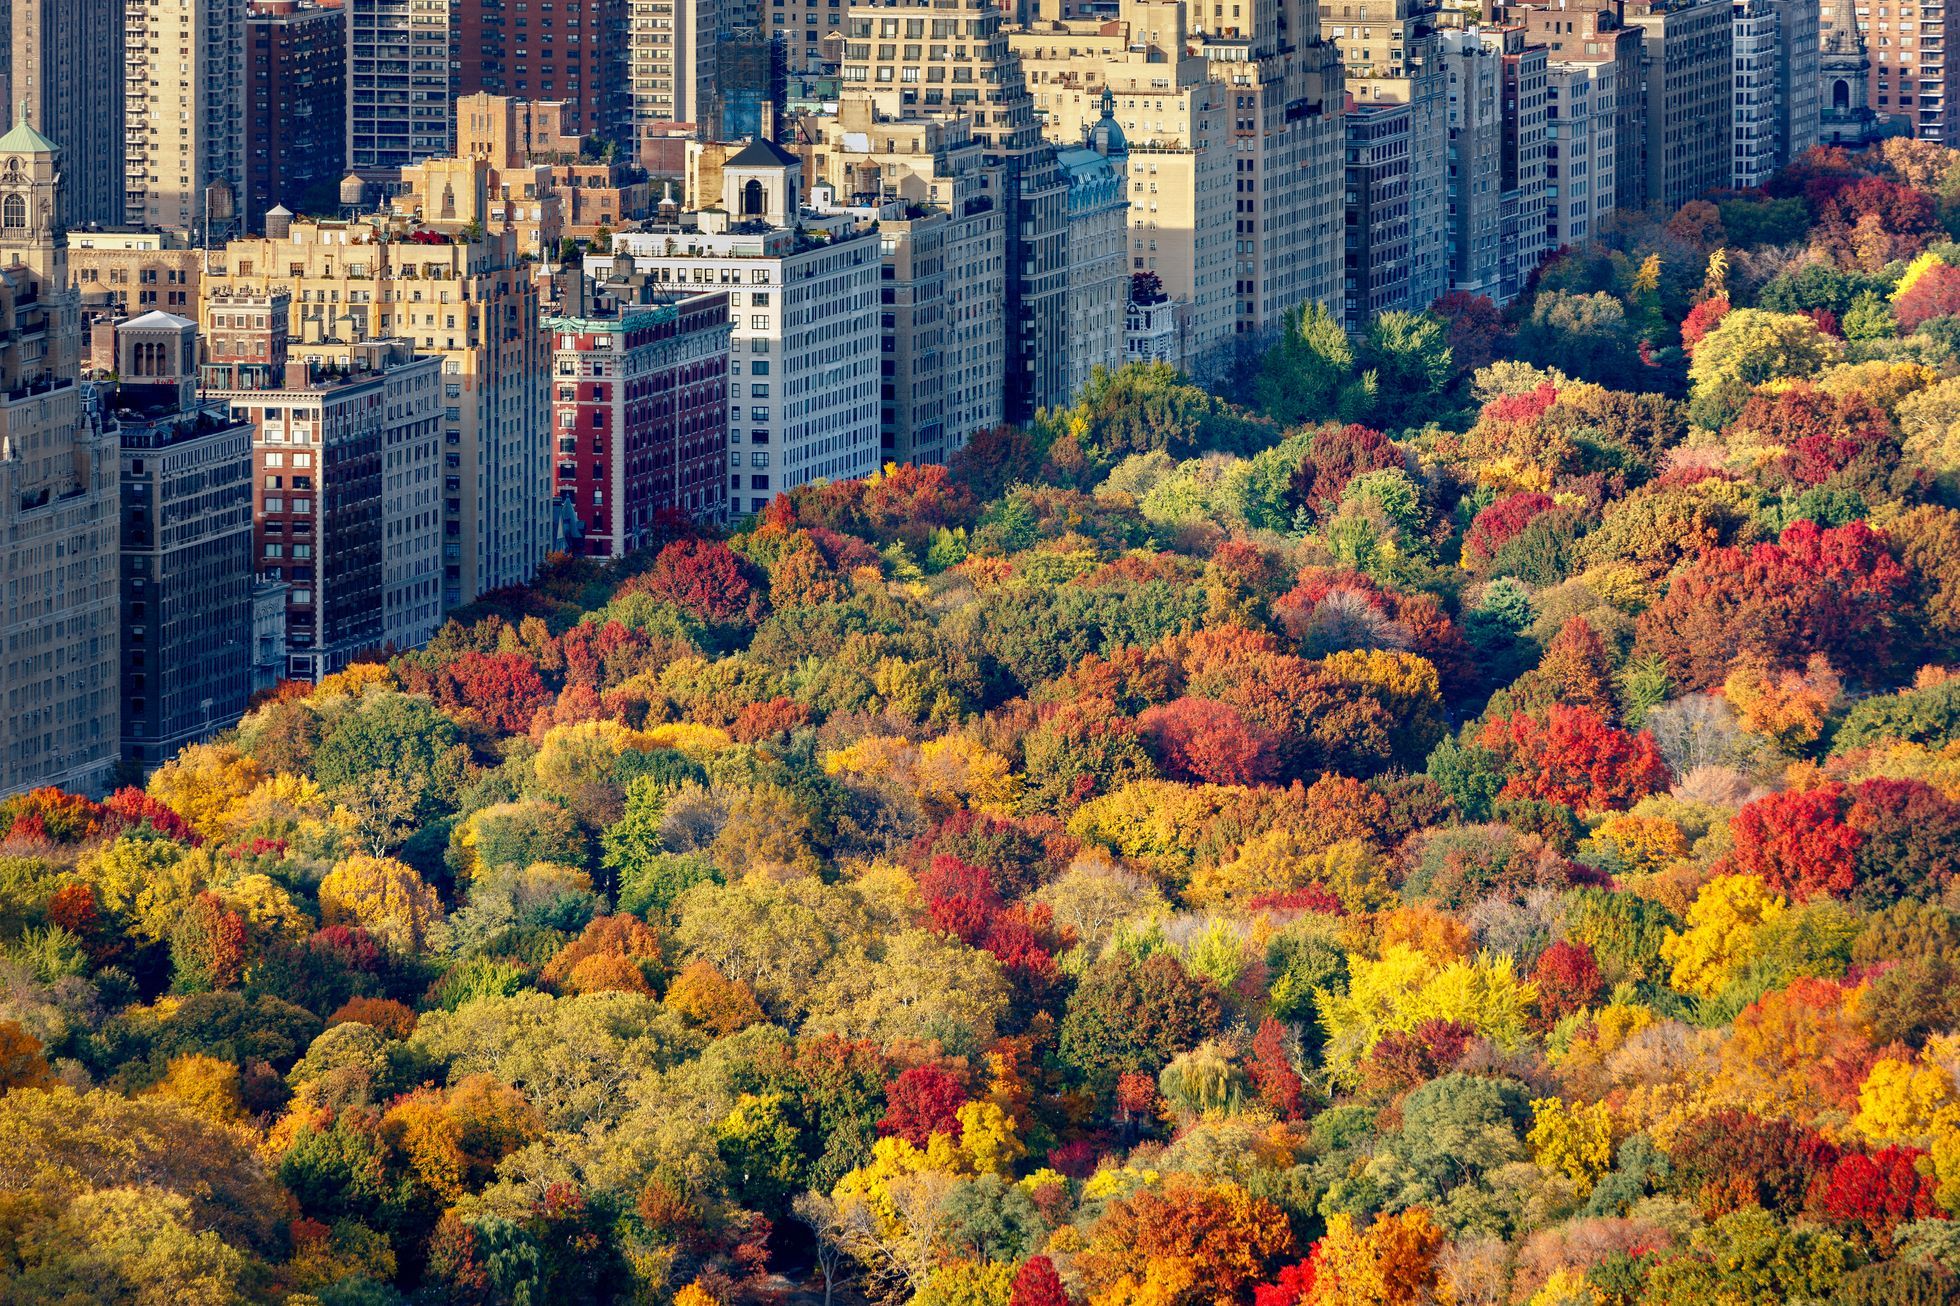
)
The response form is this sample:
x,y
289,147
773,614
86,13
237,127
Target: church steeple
x,y
1844,66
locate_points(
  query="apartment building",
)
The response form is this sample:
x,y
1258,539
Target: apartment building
x,y
1391,53
943,280
1591,32
1581,149
63,67
295,93
184,117
1379,211
671,68
804,305
1521,240
404,70
953,57
345,512
1097,173
59,711
187,574
458,289
130,272
639,407
1185,182
1475,168
1688,86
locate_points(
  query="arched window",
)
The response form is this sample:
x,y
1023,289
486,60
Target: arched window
x,y
13,214
1840,94
448,201
752,199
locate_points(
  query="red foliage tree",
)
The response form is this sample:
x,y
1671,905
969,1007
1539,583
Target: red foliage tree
x,y
1729,1159
1294,1283
138,808
1037,1284
1574,757
1270,1068
1821,433
1701,319
1902,212
1798,843
777,716
1567,978
1837,591
1909,840
1339,454
1204,740
921,1102
498,692
1473,326
1500,522
1877,1193
703,578
1935,294
1400,1061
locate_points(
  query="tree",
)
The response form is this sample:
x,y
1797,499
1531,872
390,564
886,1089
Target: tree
x,y
1797,843
394,761
383,896
1207,741
1183,1242
921,1102
1129,1015
703,578
1037,1284
1748,347
1304,375
1574,757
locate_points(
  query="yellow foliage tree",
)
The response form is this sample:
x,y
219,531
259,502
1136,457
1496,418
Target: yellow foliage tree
x,y
1787,707
1722,925
1900,1101
203,783
1644,844
383,896
1574,1139
205,1084
1404,988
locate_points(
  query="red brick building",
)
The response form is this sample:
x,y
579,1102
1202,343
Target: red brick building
x,y
639,407
295,106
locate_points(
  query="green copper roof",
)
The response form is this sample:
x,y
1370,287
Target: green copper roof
x,y
23,139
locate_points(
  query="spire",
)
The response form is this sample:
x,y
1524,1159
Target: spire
x,y
1841,34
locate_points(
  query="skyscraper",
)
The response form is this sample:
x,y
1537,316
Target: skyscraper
x,y
1687,82
184,116
295,97
187,572
58,501
403,74
65,63
931,57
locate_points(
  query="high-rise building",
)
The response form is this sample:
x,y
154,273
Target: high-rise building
x,y
932,57
187,572
573,53
671,67
1097,173
1391,54
1176,118
65,61
1521,239
1475,177
812,33
344,511
457,288
1589,32
1283,91
1755,125
1799,88
639,405
295,95
751,84
184,116
943,343
404,71
1581,149
1687,83
1911,79
1379,206
58,502
540,182
804,298
1844,72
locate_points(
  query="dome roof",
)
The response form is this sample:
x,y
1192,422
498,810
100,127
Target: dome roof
x,y
1106,137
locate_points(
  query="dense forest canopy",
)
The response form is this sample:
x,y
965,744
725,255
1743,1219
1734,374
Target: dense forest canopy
x,y
1468,814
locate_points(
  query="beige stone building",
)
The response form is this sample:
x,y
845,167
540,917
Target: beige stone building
x,y
954,58
59,470
184,116
1177,122
943,337
133,272
671,64
455,288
